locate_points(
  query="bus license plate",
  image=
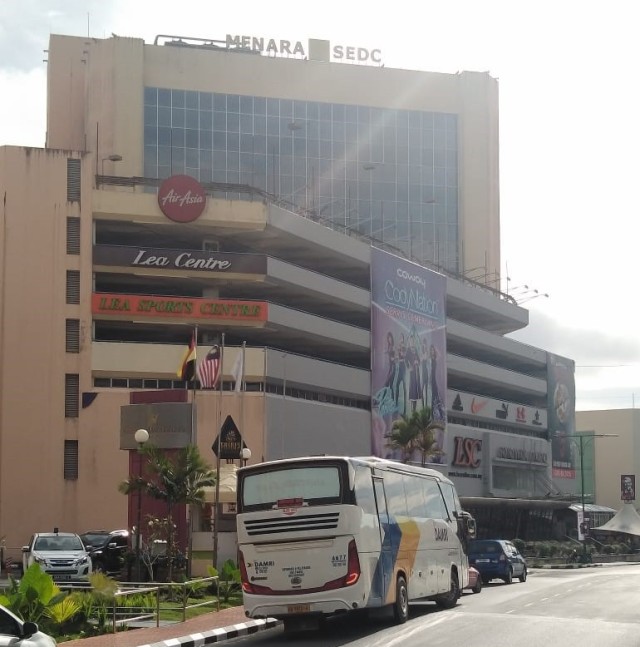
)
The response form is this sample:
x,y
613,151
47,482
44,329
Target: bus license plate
x,y
298,608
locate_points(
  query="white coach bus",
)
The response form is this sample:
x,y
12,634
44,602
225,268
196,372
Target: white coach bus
x,y
324,535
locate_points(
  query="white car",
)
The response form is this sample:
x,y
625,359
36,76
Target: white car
x,y
60,554
17,633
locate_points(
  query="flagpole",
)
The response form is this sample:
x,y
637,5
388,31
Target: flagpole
x,y
194,443
215,509
242,390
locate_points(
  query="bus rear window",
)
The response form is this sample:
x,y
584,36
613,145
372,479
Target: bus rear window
x,y
296,486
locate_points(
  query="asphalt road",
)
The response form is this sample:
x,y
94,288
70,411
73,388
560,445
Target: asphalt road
x,y
596,607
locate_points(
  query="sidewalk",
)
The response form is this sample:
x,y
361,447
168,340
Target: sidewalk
x,y
204,630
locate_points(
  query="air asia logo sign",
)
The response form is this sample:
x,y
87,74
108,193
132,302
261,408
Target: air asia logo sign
x,y
181,198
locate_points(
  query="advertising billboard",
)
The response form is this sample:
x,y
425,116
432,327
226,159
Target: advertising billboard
x,y
408,360
561,393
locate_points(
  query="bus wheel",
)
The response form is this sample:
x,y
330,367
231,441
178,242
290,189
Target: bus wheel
x,y
450,599
401,606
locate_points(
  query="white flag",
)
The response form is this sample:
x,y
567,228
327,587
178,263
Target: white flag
x,y
237,370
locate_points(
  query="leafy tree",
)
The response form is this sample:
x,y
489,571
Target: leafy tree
x,y
174,481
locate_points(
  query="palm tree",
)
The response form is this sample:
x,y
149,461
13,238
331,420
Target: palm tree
x,y
416,432
181,480
403,436
425,441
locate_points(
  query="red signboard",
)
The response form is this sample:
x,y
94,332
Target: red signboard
x,y
137,305
181,198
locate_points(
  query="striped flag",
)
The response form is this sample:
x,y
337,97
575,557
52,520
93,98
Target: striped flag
x,y
209,369
187,370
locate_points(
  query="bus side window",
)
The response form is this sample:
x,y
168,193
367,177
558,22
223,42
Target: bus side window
x,y
450,500
436,508
365,497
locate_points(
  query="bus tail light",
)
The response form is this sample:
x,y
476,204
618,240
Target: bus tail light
x,y
353,565
247,586
353,570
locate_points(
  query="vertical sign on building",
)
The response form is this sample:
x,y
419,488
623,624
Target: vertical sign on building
x,y
628,487
561,406
408,354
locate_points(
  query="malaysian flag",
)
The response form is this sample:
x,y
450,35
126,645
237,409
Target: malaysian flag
x,y
209,369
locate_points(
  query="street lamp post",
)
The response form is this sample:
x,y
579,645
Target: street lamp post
x,y
141,436
245,455
582,438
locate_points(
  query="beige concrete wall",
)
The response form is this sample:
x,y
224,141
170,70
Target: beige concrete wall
x,y
614,456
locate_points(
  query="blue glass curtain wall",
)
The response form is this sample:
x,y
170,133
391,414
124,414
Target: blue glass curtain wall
x,y
385,173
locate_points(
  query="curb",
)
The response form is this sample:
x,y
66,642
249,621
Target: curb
x,y
218,635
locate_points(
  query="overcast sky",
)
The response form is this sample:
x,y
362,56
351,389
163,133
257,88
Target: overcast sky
x,y
569,133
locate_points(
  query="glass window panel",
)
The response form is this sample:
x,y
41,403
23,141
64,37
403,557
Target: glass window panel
x,y
299,147
246,124
233,141
177,137
233,161
233,103
260,125
246,105
206,119
246,162
439,139
312,110
286,108
150,135
191,139
246,144
192,158
273,126
300,109
325,149
219,160
191,100
151,96
219,141
233,123
164,155
233,176
351,114
164,116
259,106
206,140
220,175
273,107
220,102
164,97
219,121
260,145
150,115
177,99
439,177
324,111
191,120
177,157
206,101
286,165
313,148
177,117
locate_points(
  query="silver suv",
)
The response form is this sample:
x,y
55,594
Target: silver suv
x,y
60,554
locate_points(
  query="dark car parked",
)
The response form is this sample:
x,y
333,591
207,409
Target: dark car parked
x,y
497,559
107,549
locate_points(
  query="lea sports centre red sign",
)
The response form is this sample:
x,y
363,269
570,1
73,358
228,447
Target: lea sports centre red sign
x,y
181,198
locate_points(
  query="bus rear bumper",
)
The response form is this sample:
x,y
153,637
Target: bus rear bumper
x,y
311,604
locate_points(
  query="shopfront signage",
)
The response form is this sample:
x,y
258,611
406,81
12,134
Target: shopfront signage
x,y
135,305
276,47
466,452
181,198
523,455
176,259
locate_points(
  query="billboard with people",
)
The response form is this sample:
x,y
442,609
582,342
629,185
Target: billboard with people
x,y
408,360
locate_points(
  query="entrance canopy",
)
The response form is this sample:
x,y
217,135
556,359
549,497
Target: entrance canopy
x,y
626,520
228,485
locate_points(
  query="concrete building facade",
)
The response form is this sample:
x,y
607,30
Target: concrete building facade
x,y
300,166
